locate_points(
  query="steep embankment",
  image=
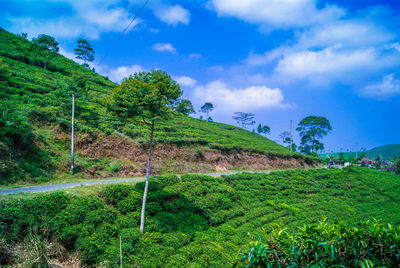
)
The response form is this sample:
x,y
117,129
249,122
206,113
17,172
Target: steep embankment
x,y
35,124
195,220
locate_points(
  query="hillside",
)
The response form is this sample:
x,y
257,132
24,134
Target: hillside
x,y
35,125
195,220
384,152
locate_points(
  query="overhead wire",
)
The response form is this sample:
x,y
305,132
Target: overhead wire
x,y
122,33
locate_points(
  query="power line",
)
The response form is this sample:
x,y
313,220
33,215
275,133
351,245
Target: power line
x,y
123,32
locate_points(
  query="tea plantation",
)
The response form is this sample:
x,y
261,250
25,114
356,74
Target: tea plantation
x,y
197,220
35,118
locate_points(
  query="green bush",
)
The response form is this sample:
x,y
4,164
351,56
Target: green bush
x,y
166,180
131,203
154,185
114,193
366,245
18,218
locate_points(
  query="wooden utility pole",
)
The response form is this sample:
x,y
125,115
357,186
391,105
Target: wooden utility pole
x,y
120,251
291,137
72,135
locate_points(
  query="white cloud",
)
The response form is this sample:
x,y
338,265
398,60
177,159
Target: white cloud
x,y
164,47
87,18
194,56
277,13
348,33
389,86
333,50
172,15
116,75
185,81
330,62
228,100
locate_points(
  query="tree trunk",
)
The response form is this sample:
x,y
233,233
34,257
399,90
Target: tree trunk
x,y
147,179
313,144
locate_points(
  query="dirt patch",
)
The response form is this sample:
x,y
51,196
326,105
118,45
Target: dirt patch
x,y
169,158
36,253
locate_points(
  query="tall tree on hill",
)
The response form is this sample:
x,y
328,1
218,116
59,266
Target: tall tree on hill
x,y
311,130
285,137
84,51
207,108
23,35
244,119
147,98
184,106
46,42
263,129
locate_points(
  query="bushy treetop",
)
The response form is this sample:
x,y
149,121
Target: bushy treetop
x,y
145,96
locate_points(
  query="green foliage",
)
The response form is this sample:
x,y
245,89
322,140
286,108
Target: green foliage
x,y
84,50
4,73
184,106
368,244
263,129
145,97
46,41
114,193
207,108
311,130
244,119
396,165
199,220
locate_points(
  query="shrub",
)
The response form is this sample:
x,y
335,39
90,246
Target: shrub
x,y
154,185
131,203
368,244
166,180
19,217
114,193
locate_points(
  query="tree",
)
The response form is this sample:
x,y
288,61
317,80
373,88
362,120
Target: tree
x,y
244,119
396,165
263,129
184,106
145,97
46,42
285,137
84,51
311,130
23,35
207,108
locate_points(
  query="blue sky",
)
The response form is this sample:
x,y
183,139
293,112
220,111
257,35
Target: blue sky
x,y
280,59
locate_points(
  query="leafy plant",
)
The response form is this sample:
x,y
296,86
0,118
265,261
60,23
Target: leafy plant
x,y
368,244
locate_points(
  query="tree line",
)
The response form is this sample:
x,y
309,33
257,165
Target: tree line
x,y
46,43
311,130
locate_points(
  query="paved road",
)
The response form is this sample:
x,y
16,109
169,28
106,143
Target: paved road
x,y
52,187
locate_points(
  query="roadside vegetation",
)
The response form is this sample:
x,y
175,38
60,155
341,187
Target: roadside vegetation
x,y
196,220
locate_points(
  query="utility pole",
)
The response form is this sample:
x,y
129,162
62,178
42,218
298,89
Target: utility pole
x,y
120,251
72,135
291,137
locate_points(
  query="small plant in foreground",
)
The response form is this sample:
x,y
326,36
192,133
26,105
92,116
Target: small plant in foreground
x,y
369,244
